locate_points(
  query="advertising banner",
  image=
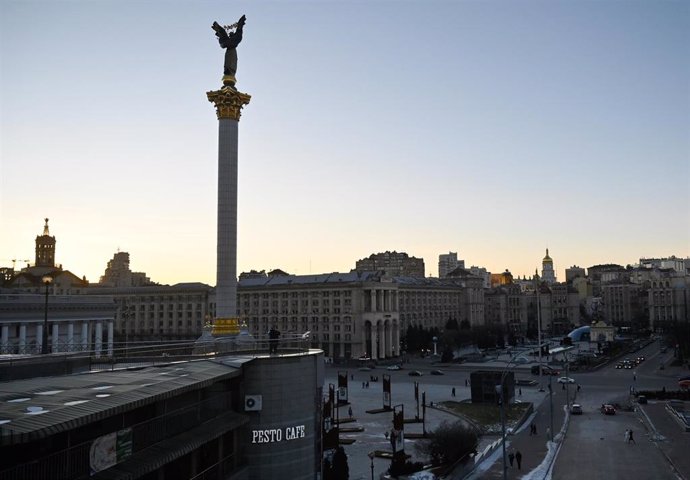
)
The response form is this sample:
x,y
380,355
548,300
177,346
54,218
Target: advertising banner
x,y
387,391
342,387
110,449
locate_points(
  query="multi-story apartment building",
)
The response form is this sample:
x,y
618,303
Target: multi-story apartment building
x,y
395,264
680,265
160,312
431,302
447,262
348,315
574,272
620,303
118,274
669,303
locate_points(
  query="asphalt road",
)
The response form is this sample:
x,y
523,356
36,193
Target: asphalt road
x,y
593,447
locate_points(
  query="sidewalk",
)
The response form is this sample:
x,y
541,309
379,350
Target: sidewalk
x,y
534,449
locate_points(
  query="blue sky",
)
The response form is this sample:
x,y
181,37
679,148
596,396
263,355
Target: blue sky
x,y
494,129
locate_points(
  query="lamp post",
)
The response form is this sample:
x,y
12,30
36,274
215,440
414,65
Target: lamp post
x,y
435,340
500,390
371,457
44,346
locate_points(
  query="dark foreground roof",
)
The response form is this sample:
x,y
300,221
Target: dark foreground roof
x,y
38,407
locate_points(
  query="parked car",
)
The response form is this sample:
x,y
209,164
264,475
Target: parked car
x,y
393,367
545,370
521,360
642,399
576,409
437,372
608,409
566,380
415,373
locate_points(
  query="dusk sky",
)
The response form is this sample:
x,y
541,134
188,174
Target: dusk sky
x,y
494,129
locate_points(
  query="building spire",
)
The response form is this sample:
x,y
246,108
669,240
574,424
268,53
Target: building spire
x,y
45,228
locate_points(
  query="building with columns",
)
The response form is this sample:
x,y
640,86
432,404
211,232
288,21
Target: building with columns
x,y
348,315
77,323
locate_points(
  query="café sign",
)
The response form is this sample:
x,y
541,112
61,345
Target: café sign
x,y
275,435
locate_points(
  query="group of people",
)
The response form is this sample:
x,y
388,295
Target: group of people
x,y
517,457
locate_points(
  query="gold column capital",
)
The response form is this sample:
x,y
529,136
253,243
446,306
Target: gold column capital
x,y
228,102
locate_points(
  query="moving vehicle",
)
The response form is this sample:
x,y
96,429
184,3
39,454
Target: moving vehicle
x,y
437,372
394,367
415,373
566,380
608,409
545,370
576,409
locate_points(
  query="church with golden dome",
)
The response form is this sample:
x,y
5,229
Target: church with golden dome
x,y
548,274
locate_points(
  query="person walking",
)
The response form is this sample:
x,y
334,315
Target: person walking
x,y
520,391
627,436
518,459
349,412
511,458
630,436
453,392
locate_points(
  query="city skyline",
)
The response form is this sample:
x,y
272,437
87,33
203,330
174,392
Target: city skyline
x,y
494,129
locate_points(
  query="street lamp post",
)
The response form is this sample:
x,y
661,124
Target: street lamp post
x,y
44,346
500,389
371,457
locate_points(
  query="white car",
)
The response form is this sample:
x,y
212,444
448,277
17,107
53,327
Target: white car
x,y
394,367
566,380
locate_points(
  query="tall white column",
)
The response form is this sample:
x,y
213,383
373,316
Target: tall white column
x,y
5,339
84,336
22,338
110,338
70,337
56,338
99,339
229,103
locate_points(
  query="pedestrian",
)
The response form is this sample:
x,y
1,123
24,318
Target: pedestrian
x,y
511,457
535,428
465,382
273,336
367,384
578,387
627,436
520,391
362,384
518,458
630,436
453,392
352,376
349,411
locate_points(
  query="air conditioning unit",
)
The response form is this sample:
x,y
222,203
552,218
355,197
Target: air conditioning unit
x,y
252,403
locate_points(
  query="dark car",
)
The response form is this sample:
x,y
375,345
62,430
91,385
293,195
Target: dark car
x,y
437,372
619,365
642,399
576,409
544,370
608,409
415,373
